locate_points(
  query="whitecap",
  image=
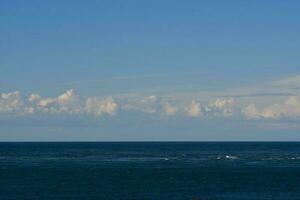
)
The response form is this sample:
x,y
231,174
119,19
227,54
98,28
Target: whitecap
x,y
231,157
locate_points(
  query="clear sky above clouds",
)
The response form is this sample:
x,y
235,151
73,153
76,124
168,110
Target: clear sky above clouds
x,y
149,70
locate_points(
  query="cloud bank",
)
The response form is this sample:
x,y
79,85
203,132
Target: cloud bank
x,y
189,105
290,108
70,103
10,102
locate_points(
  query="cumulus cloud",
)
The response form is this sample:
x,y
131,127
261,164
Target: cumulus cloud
x,y
169,110
10,102
45,103
251,111
72,104
67,102
98,106
194,109
290,109
148,104
292,106
34,97
222,103
220,107
162,106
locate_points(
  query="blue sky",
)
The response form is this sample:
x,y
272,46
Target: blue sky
x,y
149,70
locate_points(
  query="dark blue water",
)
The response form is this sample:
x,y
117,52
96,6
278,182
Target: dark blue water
x,y
153,171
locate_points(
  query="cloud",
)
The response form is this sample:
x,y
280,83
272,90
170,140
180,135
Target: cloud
x,y
292,81
71,103
10,102
194,109
67,97
98,106
222,103
251,111
292,106
150,99
270,112
289,109
67,102
34,97
44,103
161,106
261,94
148,104
169,110
221,107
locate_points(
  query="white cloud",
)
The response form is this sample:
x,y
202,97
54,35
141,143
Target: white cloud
x,y
221,107
169,110
148,104
67,97
251,111
273,111
34,97
222,103
67,102
10,102
161,106
292,106
43,103
194,109
98,106
290,109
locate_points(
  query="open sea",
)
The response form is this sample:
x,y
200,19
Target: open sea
x,y
150,170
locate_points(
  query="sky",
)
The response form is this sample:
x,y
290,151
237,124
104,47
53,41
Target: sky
x,y
149,70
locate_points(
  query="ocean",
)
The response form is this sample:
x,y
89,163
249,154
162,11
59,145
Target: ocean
x,y
150,170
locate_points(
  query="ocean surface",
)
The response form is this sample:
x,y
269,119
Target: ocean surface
x,y
154,171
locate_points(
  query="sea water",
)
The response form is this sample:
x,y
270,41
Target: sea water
x,y
150,170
